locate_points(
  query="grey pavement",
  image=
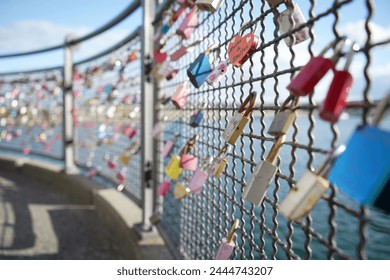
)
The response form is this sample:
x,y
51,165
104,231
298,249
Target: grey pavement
x,y
38,222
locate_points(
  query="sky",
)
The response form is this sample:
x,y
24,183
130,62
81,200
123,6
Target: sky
x,y
33,24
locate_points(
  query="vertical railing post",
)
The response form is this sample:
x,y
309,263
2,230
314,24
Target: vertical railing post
x,y
68,107
147,118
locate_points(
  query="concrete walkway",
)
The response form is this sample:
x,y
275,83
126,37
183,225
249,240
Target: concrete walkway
x,y
38,222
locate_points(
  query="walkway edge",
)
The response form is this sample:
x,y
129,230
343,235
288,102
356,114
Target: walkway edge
x,y
116,210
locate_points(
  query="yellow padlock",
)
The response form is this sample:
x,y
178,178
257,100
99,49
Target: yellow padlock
x,y
181,191
239,120
219,163
173,170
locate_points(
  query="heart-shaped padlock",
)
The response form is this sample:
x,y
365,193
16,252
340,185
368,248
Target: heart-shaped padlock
x,y
240,49
159,57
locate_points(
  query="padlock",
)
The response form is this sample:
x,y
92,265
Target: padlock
x,y
225,249
196,119
124,158
274,2
173,169
181,190
292,13
284,118
163,188
183,50
157,128
169,145
217,73
179,98
189,161
304,83
240,49
262,176
219,163
121,177
363,170
154,219
199,177
336,99
159,57
209,5
186,3
188,25
111,164
167,71
308,190
201,67
239,120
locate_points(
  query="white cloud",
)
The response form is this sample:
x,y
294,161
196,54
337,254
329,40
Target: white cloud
x,y
357,32
27,35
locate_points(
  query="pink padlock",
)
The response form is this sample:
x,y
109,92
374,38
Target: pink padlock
x,y
179,98
159,57
188,25
163,188
189,161
169,145
183,50
218,72
227,245
157,128
111,164
91,173
197,181
121,177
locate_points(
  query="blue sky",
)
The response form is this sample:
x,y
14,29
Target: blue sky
x,y
32,24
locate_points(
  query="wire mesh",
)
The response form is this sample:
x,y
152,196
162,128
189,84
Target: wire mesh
x,y
107,117
337,228
31,113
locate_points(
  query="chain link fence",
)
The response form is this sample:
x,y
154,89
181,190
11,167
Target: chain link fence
x,y
337,228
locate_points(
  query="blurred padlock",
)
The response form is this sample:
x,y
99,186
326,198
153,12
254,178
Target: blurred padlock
x,y
167,71
169,145
159,57
196,119
363,170
304,83
189,161
217,73
227,245
239,120
188,25
284,118
209,5
308,190
199,177
263,174
181,190
173,169
201,67
290,19
163,188
219,163
154,219
179,98
336,99
183,50
241,48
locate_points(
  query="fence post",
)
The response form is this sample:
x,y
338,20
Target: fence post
x,y
147,118
68,107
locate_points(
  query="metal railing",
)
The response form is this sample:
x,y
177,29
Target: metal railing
x,y
118,103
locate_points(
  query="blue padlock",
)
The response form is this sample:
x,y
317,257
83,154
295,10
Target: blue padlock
x,y
165,28
363,170
201,67
196,119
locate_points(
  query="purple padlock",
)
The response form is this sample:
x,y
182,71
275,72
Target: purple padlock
x,y
197,181
169,145
226,247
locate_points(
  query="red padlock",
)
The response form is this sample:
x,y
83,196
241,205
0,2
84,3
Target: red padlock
x,y
188,25
163,188
240,49
335,101
315,70
159,57
183,50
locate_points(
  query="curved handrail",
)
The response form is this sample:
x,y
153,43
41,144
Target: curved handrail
x,y
124,14
105,52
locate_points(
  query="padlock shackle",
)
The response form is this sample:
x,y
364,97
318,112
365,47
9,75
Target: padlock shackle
x,y
337,44
190,145
230,236
223,150
248,104
273,153
324,168
349,55
381,109
245,26
294,103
